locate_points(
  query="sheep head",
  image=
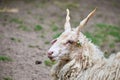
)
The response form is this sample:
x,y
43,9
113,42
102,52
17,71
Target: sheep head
x,y
66,45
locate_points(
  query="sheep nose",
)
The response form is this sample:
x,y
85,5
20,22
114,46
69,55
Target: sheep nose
x,y
50,53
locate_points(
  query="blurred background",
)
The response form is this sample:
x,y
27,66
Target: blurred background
x,y
28,26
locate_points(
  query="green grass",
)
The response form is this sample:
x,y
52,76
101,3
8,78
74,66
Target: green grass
x,y
72,5
7,78
15,39
1,36
33,46
111,30
47,42
16,20
5,58
54,27
38,27
29,12
94,39
56,35
49,62
112,45
115,4
102,34
41,18
41,5
42,36
23,27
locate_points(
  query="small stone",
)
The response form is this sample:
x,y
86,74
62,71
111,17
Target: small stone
x,y
38,62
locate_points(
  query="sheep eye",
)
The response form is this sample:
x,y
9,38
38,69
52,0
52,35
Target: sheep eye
x,y
53,41
70,41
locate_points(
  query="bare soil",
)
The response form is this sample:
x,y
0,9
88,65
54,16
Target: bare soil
x,y
26,46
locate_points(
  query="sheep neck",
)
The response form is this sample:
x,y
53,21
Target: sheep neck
x,y
87,51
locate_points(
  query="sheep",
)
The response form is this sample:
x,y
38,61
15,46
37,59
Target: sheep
x,y
78,58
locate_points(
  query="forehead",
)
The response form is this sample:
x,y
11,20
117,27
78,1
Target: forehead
x,y
67,35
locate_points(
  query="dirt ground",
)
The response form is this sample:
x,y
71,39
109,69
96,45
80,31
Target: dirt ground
x,y
24,44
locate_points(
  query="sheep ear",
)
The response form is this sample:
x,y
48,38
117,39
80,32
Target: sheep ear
x,y
84,21
67,25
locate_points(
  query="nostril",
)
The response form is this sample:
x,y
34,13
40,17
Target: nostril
x,y
50,53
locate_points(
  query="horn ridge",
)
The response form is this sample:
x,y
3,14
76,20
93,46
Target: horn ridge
x,y
67,23
84,21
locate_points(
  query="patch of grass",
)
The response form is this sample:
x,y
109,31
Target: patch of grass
x,y
54,27
28,12
112,45
116,4
112,30
56,35
28,1
7,78
23,27
5,58
103,33
47,42
33,46
1,36
16,20
94,39
42,36
41,5
107,26
49,62
100,25
41,19
38,27
15,39
72,5
116,35
1,15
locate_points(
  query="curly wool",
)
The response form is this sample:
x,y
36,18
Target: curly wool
x,y
84,61
91,65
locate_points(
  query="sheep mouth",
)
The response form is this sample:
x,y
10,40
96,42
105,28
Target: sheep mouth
x,y
58,57
51,58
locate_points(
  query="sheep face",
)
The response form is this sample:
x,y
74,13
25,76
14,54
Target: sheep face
x,y
61,47
67,43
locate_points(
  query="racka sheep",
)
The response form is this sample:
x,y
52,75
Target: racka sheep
x,y
79,59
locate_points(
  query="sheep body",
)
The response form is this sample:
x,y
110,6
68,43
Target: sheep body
x,y
106,70
79,59
90,67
